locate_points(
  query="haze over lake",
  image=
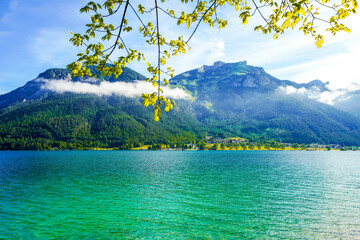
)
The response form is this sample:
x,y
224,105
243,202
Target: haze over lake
x,y
179,195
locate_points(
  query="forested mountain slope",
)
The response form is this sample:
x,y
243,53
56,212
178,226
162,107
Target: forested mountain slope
x,y
228,99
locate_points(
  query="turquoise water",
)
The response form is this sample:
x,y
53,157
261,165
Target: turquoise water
x,y
179,195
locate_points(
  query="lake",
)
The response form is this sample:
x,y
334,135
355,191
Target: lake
x,y
179,195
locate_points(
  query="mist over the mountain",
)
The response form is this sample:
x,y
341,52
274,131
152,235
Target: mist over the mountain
x,y
350,103
326,94
105,88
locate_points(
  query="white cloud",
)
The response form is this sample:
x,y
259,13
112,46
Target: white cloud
x,y
132,90
52,47
333,96
337,67
301,61
312,93
204,51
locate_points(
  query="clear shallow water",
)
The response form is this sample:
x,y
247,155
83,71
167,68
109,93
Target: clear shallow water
x,y
179,195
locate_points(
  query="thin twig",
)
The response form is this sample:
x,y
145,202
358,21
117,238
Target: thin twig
x,y
333,8
112,12
167,13
159,49
121,25
137,15
200,22
257,8
97,30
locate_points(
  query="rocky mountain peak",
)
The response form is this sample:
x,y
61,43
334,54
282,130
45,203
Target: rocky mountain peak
x,y
55,73
218,63
317,84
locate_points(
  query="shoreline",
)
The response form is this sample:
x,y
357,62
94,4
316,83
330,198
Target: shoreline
x,y
207,150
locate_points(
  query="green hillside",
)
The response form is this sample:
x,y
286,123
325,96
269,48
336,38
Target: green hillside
x,y
84,121
228,100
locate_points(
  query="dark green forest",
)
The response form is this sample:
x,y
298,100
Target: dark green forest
x,y
83,121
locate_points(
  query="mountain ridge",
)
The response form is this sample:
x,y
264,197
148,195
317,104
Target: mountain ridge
x,y
33,90
229,99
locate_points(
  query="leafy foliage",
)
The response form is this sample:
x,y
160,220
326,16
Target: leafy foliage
x,y
300,14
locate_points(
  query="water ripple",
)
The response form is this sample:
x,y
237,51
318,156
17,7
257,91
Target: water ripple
x,y
179,195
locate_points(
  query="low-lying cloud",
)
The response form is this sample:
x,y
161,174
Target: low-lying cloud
x,y
131,90
332,96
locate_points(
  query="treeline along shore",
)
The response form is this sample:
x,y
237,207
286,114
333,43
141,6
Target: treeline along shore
x,y
208,143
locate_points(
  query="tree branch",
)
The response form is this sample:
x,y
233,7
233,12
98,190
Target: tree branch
x,y
113,12
207,10
159,49
257,8
137,15
121,26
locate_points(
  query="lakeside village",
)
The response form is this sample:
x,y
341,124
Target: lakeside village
x,y
237,143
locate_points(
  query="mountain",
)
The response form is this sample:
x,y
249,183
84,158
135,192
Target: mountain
x,y
33,117
246,101
228,99
33,89
232,86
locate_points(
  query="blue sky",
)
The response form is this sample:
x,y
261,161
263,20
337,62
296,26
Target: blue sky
x,y
34,37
